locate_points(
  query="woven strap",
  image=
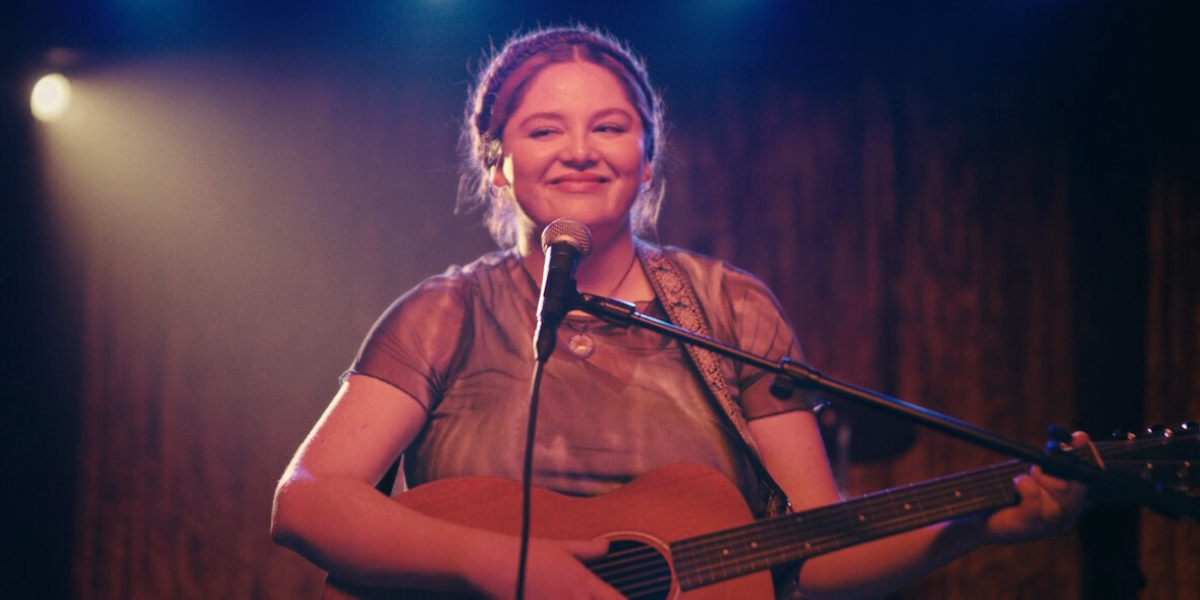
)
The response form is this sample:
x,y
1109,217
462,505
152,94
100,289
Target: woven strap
x,y
678,297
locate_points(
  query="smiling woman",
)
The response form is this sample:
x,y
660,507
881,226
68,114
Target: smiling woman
x,y
564,124
502,88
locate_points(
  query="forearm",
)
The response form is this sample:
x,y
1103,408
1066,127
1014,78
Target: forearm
x,y
359,535
882,566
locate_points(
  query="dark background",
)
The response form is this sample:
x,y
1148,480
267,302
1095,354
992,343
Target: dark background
x,y
1093,102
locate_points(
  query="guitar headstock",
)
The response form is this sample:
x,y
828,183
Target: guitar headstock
x,y
1164,458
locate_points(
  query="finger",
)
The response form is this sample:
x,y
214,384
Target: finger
x,y
1036,506
1071,494
1051,484
1030,492
587,550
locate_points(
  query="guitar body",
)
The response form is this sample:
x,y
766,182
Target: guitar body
x,y
675,502
684,531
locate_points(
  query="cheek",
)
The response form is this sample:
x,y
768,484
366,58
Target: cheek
x,y
523,163
629,156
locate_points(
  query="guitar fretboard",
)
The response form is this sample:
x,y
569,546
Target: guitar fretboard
x,y
765,544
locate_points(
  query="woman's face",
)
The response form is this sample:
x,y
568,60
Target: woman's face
x,y
574,148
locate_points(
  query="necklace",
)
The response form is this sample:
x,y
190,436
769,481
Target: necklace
x,y
581,343
624,276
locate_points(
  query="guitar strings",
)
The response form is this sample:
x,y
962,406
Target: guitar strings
x,y
772,544
833,525
617,572
773,541
628,571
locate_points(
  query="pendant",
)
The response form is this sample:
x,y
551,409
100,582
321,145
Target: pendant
x,y
581,345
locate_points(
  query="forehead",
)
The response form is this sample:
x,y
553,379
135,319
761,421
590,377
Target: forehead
x,y
574,85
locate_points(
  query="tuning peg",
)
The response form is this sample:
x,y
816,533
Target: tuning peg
x,y
1189,427
1158,431
1123,435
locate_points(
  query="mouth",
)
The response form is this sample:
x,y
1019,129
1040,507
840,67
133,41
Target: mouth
x,y
579,179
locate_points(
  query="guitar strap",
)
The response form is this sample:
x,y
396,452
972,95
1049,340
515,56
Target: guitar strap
x,y
678,297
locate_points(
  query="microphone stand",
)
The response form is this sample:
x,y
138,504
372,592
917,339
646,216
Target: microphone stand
x,y
790,375
535,394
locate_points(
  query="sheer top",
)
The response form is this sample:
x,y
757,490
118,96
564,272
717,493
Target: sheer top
x,y
615,402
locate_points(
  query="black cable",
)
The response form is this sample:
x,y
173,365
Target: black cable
x,y
527,474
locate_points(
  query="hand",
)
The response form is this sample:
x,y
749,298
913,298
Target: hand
x,y
555,569
1049,506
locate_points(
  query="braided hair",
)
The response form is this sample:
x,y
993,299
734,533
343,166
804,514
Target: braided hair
x,y
498,92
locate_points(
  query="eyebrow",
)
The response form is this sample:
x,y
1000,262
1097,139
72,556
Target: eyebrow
x,y
602,113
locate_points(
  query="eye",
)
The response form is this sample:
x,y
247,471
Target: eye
x,y
610,128
542,132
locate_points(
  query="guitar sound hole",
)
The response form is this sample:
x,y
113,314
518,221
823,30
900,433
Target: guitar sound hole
x,y
635,569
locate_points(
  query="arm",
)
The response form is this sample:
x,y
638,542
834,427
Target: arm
x,y
792,451
327,510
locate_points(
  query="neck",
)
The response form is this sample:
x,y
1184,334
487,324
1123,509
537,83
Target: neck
x,y
611,267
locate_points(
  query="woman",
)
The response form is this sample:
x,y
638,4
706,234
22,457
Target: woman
x,y
564,123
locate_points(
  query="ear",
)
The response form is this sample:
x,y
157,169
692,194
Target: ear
x,y
498,178
647,174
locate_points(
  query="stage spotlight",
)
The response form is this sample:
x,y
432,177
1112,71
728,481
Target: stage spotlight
x,y
51,97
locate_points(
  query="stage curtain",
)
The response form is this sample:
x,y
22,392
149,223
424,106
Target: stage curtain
x,y
920,252
920,249
1169,546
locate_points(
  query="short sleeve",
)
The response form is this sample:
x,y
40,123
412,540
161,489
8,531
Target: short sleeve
x,y
419,341
760,327
742,311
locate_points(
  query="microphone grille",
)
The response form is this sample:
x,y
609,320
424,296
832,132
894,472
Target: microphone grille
x,y
570,232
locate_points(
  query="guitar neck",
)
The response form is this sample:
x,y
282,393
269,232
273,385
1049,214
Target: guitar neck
x,y
706,559
674,504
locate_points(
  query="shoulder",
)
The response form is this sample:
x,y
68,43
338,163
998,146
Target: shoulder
x,y
462,280
455,289
736,301
714,275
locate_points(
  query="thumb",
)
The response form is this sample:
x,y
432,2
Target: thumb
x,y
587,550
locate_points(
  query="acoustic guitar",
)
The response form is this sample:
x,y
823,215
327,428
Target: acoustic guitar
x,y
684,530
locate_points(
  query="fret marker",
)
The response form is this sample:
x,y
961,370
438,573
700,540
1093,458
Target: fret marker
x,y
754,544
725,552
957,494
862,518
907,506
807,545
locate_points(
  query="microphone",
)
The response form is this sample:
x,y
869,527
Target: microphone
x,y
565,243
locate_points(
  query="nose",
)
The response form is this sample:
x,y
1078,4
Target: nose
x,y
578,151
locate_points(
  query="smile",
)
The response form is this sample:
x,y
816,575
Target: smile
x,y
579,184
578,179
